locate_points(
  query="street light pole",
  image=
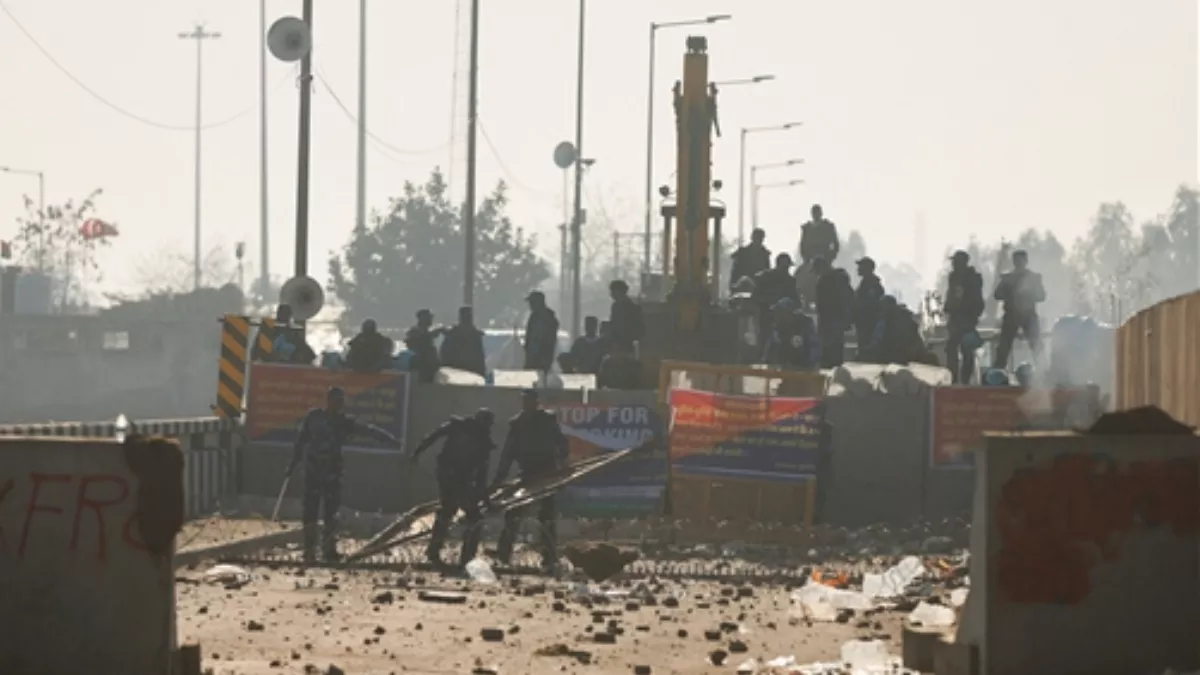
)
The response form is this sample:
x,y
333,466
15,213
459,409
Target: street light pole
x,y
755,190
742,170
263,185
754,184
577,219
199,35
757,79
649,199
41,179
472,120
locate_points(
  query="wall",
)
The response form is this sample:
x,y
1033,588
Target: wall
x,y
85,546
95,368
210,447
1085,555
1158,358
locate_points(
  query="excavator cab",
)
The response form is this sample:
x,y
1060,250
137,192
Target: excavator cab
x,y
687,322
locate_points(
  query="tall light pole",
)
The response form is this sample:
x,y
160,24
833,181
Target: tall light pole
x,y
303,147
742,171
654,28
756,188
264,236
199,35
41,180
754,181
577,218
469,207
360,183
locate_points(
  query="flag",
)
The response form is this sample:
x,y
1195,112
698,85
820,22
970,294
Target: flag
x,y
94,228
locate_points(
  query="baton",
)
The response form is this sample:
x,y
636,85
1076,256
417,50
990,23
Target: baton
x,y
279,501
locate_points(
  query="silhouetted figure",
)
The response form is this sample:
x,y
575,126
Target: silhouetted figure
x,y
587,351
771,286
897,337
537,445
819,238
322,434
419,339
462,468
866,302
963,307
835,307
793,342
370,351
288,344
620,369
625,317
541,334
1020,291
462,345
750,259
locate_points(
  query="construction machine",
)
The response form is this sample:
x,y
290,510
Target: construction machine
x,y
689,324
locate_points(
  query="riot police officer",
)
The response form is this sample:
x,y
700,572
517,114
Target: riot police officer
x,y
322,434
537,444
462,467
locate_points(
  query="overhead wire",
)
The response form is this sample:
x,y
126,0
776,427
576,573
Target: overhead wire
x,y
354,119
508,173
100,98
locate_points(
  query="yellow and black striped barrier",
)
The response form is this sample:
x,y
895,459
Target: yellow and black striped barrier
x,y
231,381
264,344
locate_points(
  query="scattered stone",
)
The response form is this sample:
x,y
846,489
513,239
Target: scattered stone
x,y
559,607
254,626
738,647
745,592
384,598
334,670
671,602
444,597
712,635
641,670
605,638
275,663
202,610
332,587
380,630
492,635
728,627
681,633
717,657
514,629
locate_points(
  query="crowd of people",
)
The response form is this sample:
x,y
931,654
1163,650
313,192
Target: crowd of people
x,y
805,315
607,349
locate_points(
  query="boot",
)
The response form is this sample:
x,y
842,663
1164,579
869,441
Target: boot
x,y
310,542
470,545
329,550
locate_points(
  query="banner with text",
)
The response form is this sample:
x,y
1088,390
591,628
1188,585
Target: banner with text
x,y
630,487
959,416
281,395
751,437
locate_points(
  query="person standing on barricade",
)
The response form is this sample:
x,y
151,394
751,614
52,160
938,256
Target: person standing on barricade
x,y
462,467
536,443
322,434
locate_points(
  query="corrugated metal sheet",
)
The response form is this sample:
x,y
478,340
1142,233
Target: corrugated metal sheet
x,y
1158,358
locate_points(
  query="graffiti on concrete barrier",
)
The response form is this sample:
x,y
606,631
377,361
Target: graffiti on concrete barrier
x,y
83,507
1059,521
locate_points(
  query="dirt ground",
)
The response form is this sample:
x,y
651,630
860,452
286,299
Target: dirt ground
x,y
217,530
292,621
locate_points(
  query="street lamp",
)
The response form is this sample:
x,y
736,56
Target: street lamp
x,y
754,181
742,170
654,27
746,80
754,197
41,179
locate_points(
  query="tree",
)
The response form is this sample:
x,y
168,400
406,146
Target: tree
x,y
1112,264
410,258
51,241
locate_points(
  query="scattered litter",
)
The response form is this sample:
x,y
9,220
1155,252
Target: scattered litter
x,y
958,597
226,574
818,602
893,582
932,616
865,653
831,579
479,570
748,667
445,597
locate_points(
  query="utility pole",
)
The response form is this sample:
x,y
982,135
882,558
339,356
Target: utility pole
x,y
199,35
303,150
577,220
472,117
264,252
360,192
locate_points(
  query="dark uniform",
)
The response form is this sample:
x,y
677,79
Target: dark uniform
x,y
867,299
537,444
750,259
835,305
964,305
420,339
1020,290
541,334
462,467
625,317
323,432
370,351
794,342
819,238
462,348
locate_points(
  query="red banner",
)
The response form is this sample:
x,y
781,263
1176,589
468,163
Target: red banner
x,y
961,415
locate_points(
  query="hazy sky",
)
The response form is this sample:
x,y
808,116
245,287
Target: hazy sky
x,y
984,117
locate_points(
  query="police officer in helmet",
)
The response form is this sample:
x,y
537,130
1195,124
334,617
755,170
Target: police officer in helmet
x,y
537,445
462,467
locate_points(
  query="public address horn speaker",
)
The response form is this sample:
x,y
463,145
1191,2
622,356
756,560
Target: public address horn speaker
x,y
289,39
304,296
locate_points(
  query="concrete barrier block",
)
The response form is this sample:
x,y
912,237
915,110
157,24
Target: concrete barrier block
x,y
917,646
86,532
953,658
